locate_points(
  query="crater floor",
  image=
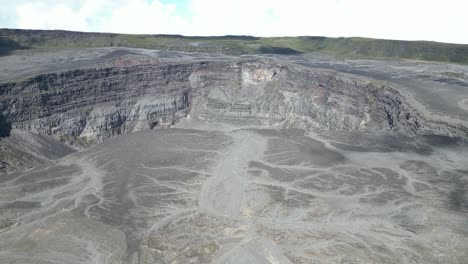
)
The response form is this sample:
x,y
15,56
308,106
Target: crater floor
x,y
218,194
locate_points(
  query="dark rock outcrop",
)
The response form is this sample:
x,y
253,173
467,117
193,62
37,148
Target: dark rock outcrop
x,y
94,104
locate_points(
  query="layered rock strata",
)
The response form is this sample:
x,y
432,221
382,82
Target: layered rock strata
x,y
86,106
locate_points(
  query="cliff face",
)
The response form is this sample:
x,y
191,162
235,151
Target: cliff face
x,y
94,104
265,92
85,106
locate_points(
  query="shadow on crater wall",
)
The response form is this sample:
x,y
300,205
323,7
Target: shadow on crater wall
x,y
278,50
7,46
5,127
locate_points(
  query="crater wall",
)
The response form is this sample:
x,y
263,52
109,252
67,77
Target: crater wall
x,y
86,106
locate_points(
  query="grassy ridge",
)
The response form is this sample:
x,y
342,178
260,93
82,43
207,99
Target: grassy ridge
x,y
12,39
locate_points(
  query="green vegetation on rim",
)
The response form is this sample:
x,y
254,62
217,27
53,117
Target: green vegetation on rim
x,y
13,39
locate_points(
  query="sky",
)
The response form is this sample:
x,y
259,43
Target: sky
x,y
435,20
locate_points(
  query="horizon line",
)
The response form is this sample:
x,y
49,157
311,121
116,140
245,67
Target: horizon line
x,y
231,35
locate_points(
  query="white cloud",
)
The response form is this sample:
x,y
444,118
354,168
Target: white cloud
x,y
439,20
125,16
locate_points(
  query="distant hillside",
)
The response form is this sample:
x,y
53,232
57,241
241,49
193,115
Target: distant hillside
x,y
14,39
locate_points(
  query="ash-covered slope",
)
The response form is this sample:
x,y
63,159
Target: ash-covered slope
x,y
133,92
242,196
23,150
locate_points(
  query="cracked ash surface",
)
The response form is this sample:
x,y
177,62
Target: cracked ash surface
x,y
255,167
243,196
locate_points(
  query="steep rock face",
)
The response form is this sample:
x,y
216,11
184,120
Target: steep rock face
x,y
271,94
265,92
95,104
89,105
